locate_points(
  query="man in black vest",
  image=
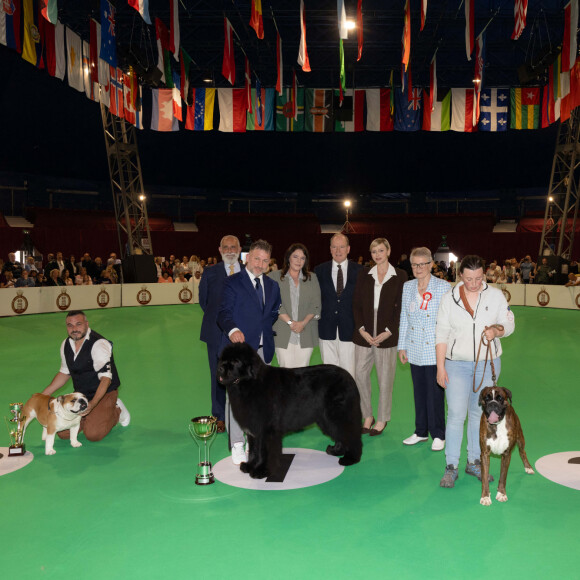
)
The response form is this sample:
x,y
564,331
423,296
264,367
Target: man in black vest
x,y
87,358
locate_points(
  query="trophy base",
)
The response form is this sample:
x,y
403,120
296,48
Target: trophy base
x,y
16,450
205,475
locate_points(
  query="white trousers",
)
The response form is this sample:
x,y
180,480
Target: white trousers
x,y
339,353
293,357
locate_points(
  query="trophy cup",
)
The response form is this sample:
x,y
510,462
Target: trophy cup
x,y
203,429
16,430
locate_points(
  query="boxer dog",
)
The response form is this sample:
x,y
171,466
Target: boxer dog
x,y
499,432
54,415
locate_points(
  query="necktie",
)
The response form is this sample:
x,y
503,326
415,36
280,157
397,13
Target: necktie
x,y
259,292
231,269
339,281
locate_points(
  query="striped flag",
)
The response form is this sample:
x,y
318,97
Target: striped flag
x,y
569,46
10,14
32,41
229,60
248,86
520,13
279,64
379,112
550,108
423,13
163,61
261,117
406,40
359,29
318,111
256,20
200,114
463,110
53,38
174,36
469,27
232,104
290,111
437,114
525,108
142,6
352,119
303,51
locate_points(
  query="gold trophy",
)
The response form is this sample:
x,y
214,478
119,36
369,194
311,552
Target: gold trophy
x,y
16,430
203,429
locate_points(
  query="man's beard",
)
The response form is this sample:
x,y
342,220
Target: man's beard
x,y
230,258
76,338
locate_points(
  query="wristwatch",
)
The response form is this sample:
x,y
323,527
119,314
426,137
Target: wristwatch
x,y
289,323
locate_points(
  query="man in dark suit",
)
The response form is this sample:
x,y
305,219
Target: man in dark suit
x,y
337,279
249,307
210,294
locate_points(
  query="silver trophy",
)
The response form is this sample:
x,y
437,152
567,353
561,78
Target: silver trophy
x,y
16,430
203,429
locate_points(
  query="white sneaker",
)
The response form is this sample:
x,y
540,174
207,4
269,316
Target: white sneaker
x,y
438,444
125,416
414,439
238,453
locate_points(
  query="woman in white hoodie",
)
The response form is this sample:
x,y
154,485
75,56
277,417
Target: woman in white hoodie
x,y
471,308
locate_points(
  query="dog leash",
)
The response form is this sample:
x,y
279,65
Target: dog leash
x,y
487,344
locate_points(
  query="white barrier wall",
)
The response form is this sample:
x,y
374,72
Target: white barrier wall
x,y
157,294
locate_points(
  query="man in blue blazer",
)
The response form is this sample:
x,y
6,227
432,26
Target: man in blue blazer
x,y
249,307
210,294
337,279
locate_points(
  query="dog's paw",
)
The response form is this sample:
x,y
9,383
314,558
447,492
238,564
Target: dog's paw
x,y
501,496
529,470
485,500
76,444
244,468
50,452
259,473
332,450
346,460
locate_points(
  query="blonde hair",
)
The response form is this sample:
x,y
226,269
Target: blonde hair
x,y
378,241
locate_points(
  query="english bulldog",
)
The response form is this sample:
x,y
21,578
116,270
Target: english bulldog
x,y
499,432
56,414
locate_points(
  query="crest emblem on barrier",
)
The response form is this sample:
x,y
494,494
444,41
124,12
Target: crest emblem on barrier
x,y
185,294
506,292
103,298
143,296
63,300
578,300
543,297
19,302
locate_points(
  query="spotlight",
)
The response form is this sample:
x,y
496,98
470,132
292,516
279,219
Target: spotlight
x,y
142,197
350,24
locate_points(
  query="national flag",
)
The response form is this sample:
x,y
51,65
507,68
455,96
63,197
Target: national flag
x,y
95,42
91,88
130,93
174,36
74,51
469,27
437,118
32,41
359,29
105,83
10,15
163,57
520,13
139,109
279,64
294,92
142,6
423,14
463,111
116,92
342,81
554,78
572,98
49,9
525,108
379,112
318,110
55,55
478,72
569,46
494,110
229,60
162,118
200,114
108,36
408,111
248,85
303,51
392,87
550,108
261,118
406,40
232,104
256,20
285,117
177,108
433,82
349,117
342,29
184,80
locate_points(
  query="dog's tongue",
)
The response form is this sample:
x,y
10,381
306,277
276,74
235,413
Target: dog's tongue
x,y
493,417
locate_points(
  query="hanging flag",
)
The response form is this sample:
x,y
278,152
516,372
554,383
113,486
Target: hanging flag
x,y
392,87
49,9
469,27
318,111
53,38
379,113
10,14
232,104
478,72
142,6
91,89
433,82
32,41
408,111
177,108
74,51
248,85
184,81
494,110
572,98
342,86
95,42
423,14
554,78
174,38
163,58
229,60
162,118
349,117
569,46
256,20
525,108
105,83
342,29
116,91
108,37
279,66
520,13
406,40
294,93
139,108
409,83
303,51
285,108
550,108
200,114
463,111
437,113
261,117
359,28
130,92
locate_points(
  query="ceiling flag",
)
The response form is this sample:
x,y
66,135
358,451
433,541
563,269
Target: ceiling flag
x,y
469,27
342,83
359,27
184,82
303,51
569,46
142,6
279,65
294,96
392,95
49,9
256,20
174,39
108,37
478,72
229,62
248,85
342,29
423,13
407,36
520,13
433,82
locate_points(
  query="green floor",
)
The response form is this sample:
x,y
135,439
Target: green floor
x,y
127,507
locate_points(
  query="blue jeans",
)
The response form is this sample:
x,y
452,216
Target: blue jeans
x,y
462,402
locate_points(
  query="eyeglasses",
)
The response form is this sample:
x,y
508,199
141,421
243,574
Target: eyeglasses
x,y
422,265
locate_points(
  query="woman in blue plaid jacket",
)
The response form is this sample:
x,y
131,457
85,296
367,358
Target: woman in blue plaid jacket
x,y
421,298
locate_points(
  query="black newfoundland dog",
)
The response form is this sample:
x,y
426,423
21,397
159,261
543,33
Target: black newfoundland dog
x,y
268,402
